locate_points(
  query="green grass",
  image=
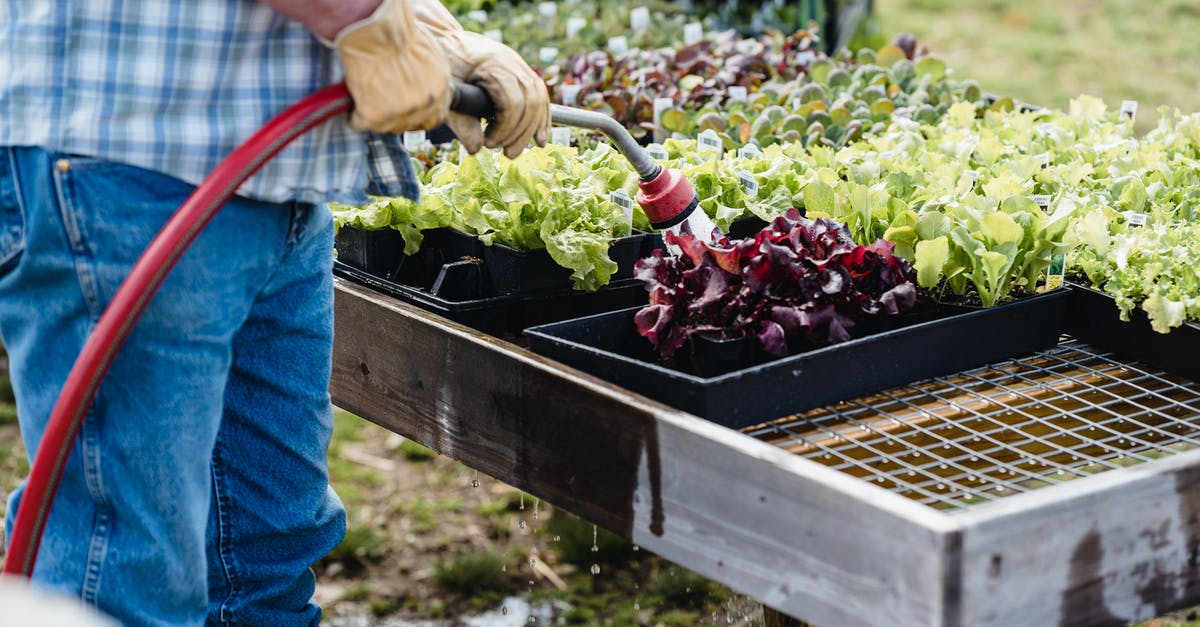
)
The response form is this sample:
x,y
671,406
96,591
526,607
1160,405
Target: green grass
x,y
413,452
471,574
1047,52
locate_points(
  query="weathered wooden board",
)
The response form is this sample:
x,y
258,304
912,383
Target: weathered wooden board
x,y
1107,550
808,540
802,538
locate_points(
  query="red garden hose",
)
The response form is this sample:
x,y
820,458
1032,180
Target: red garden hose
x,y
131,300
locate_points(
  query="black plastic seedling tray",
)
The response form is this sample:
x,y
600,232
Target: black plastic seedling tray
x,y
1094,318
504,315
957,338
523,271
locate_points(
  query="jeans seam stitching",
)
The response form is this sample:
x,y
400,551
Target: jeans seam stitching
x,y
84,262
98,547
20,196
224,537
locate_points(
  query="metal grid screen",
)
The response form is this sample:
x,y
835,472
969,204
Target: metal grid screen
x,y
981,435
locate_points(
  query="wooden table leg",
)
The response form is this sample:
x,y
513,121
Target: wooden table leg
x,y
775,618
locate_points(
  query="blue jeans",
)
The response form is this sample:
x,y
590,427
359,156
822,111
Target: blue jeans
x,y
198,489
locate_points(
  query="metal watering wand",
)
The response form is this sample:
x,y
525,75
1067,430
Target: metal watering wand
x,y
666,196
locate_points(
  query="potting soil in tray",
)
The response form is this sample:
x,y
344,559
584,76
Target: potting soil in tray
x,y
955,338
1093,317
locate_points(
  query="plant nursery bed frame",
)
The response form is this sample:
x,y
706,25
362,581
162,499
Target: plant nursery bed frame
x,y
1058,488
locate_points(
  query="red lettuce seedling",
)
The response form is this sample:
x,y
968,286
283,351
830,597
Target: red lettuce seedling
x,y
797,281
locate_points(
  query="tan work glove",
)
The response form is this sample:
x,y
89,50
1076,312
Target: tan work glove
x,y
397,74
520,95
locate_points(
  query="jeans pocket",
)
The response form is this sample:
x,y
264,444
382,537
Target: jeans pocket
x,y
12,214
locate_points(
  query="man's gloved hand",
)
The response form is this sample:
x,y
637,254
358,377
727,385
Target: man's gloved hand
x,y
396,72
520,95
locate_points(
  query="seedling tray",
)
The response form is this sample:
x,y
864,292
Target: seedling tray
x,y
608,345
504,315
1094,318
523,271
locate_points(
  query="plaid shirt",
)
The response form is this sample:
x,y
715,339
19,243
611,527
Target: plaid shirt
x,y
175,86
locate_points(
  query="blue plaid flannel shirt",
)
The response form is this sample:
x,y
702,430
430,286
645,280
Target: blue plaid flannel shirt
x,y
175,86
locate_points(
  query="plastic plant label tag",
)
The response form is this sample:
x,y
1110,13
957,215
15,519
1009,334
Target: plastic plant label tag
x,y
1129,109
639,18
1042,200
548,9
477,15
656,152
494,34
618,45
547,54
737,93
806,57
621,199
709,140
749,151
570,94
749,183
413,140
1056,273
1044,159
560,135
693,33
574,25
1135,219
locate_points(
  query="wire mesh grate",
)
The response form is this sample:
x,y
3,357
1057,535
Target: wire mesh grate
x,y
1011,427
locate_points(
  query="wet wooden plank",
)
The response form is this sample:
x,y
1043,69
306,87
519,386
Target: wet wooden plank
x,y
1118,547
805,539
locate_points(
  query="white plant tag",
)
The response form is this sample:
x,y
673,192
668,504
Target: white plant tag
x,y
709,140
570,94
1044,159
749,151
749,183
622,200
548,9
494,34
693,33
1129,109
547,54
477,15
574,25
639,18
737,93
657,152
618,45
413,140
560,135
1042,200
1136,219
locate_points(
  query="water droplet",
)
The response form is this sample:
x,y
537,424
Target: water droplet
x,y
595,569
474,483
521,524
636,548
504,568
636,606
535,508
522,500
532,619
557,538
532,563
504,610
941,486
595,545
